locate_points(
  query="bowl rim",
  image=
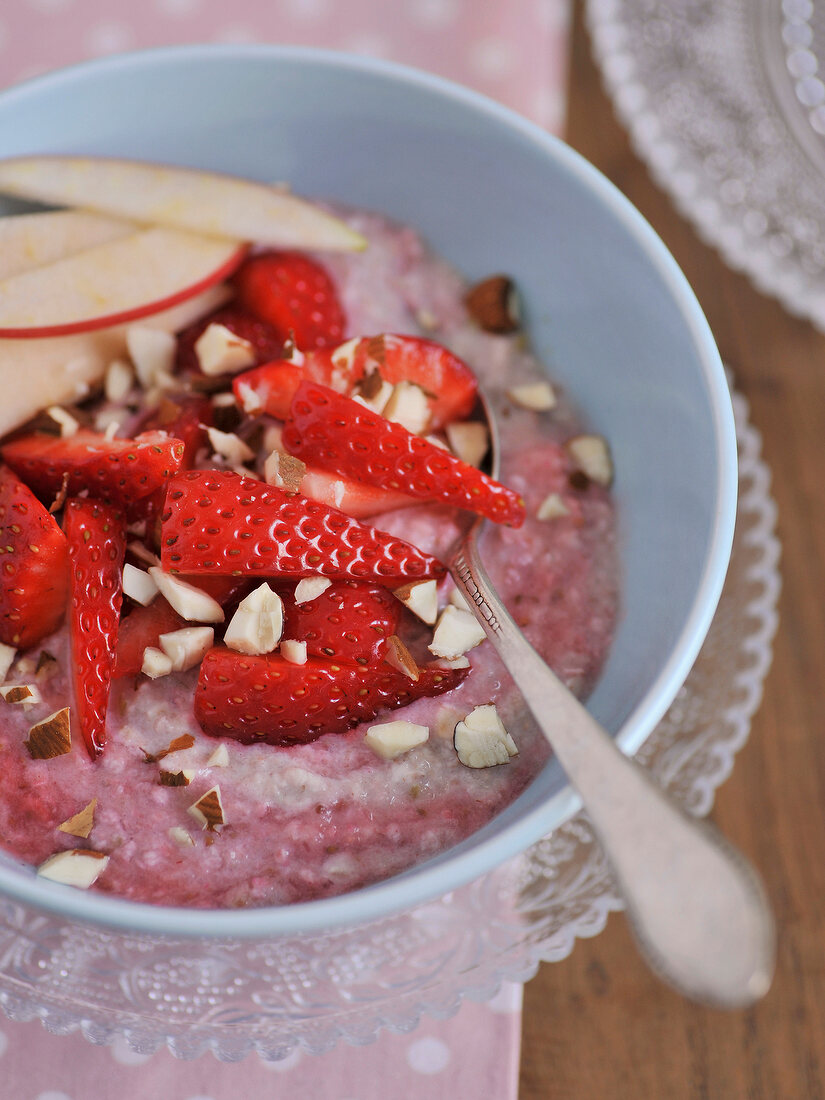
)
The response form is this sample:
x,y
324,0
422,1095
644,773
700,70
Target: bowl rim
x,y
445,873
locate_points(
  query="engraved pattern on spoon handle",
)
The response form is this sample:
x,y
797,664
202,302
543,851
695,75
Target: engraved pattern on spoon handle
x,y
697,908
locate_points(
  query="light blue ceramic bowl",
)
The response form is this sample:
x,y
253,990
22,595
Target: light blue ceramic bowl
x,y
608,311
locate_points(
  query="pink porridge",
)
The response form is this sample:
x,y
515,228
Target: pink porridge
x,y
320,817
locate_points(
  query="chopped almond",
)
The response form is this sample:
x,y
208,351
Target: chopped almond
x,y
420,597
400,658
537,396
25,695
310,588
51,737
592,456
79,867
284,471
209,809
81,823
221,351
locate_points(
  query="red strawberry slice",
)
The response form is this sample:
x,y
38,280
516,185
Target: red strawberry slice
x,y
34,561
336,433
352,497
449,381
266,340
349,622
253,699
219,522
294,294
141,628
97,547
115,471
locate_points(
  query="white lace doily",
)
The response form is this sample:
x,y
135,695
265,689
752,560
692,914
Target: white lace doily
x,y
313,991
725,101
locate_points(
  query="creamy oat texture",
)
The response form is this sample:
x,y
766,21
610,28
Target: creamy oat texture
x,y
314,820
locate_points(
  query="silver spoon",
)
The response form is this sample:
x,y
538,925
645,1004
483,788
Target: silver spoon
x,y
697,908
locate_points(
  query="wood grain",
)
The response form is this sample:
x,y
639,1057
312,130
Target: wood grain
x,y
598,1024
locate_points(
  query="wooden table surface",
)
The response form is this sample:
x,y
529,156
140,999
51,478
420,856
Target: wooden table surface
x,y
598,1024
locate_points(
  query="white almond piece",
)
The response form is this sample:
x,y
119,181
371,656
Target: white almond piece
x,y
400,658
7,655
538,396
181,836
219,758
455,662
284,471
250,402
408,406
68,424
310,588
552,507
258,623
458,599
156,663
221,351
190,602
118,381
481,741
373,392
420,597
209,809
152,351
188,646
592,455
469,440
344,355
223,400
75,867
229,446
391,739
25,695
293,651
138,585
110,421
456,632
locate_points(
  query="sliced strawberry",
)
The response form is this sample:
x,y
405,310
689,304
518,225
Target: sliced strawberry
x,y
352,497
431,366
336,433
34,561
115,471
184,417
219,522
142,628
349,622
253,699
266,340
97,547
448,380
295,294
274,384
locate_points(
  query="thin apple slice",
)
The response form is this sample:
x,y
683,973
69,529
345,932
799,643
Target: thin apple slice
x,y
184,198
62,369
115,282
28,241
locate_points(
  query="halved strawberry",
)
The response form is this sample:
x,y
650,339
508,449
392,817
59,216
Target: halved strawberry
x,y
114,471
329,430
448,380
294,294
219,522
141,628
349,622
253,699
266,340
34,560
97,547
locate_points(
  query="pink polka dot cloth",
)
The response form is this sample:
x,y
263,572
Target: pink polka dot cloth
x,y
514,51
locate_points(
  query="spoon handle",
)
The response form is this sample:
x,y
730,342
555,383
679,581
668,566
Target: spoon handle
x,y
697,908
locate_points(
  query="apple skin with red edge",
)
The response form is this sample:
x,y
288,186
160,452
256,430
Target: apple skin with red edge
x,y
51,290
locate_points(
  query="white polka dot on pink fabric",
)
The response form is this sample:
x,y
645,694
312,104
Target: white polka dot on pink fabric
x,y
178,9
308,10
428,1056
435,13
369,43
103,38
491,58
